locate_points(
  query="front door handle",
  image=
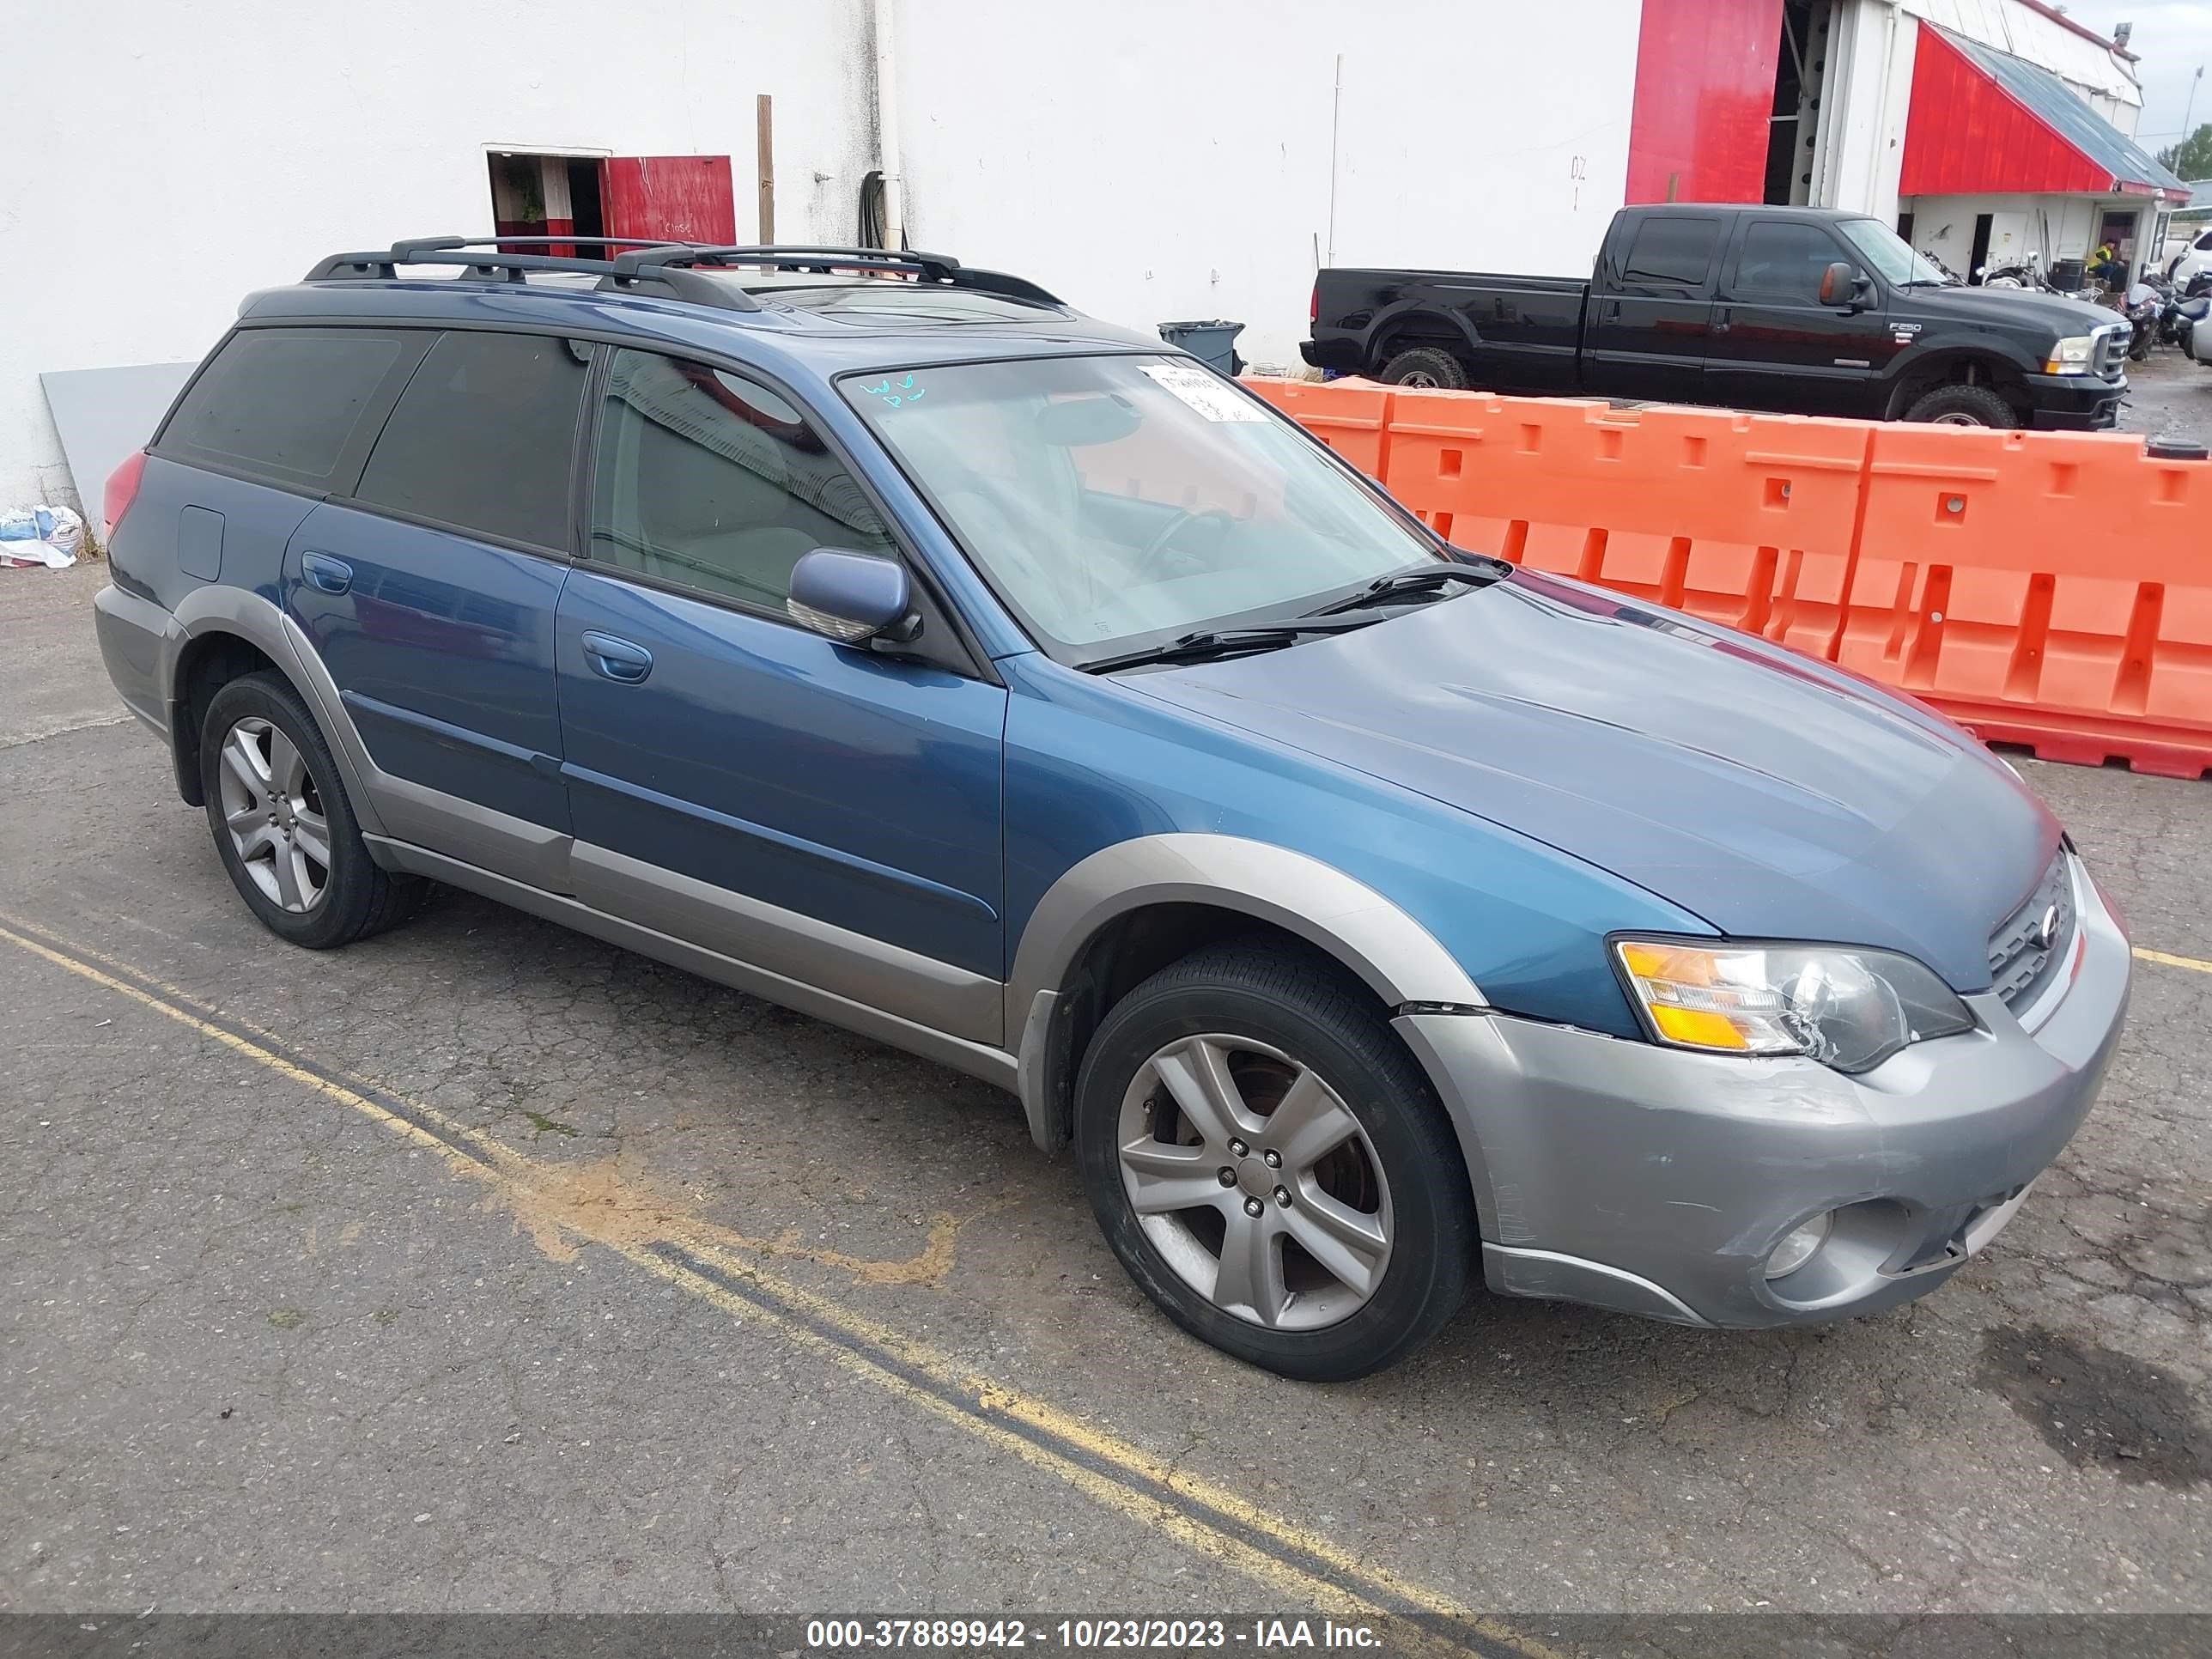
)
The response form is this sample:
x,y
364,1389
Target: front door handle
x,y
616,659
324,574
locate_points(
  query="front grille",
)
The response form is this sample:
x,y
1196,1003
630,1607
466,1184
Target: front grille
x,y
2110,353
2028,946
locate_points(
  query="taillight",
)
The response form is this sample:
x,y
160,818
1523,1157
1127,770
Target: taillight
x,y
1313,309
123,490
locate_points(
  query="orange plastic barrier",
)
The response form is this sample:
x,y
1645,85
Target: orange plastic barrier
x,y
2046,588
2050,589
1744,519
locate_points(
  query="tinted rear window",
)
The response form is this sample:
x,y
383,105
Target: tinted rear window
x,y
1672,251
284,402
483,438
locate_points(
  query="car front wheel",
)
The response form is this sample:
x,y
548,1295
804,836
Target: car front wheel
x,y
1963,406
1271,1167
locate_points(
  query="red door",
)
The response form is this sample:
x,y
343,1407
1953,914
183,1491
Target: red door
x,y
668,199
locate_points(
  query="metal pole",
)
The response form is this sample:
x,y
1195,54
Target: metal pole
x,y
1336,120
887,138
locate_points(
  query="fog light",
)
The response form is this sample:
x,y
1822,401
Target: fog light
x,y
1796,1248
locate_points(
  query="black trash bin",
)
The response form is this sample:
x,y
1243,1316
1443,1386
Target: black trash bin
x,y
1213,343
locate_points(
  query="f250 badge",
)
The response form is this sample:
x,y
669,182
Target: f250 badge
x,y
1902,332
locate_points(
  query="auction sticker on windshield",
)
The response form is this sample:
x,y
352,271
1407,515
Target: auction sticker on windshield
x,y
1206,392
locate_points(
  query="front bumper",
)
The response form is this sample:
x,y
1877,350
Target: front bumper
x,y
1657,1180
2074,403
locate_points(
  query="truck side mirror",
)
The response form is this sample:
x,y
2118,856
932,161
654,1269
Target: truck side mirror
x,y
1838,285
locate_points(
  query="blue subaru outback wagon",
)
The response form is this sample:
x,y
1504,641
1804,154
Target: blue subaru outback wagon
x,y
882,636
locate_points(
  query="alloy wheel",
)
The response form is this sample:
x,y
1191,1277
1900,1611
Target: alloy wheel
x,y
275,814
1254,1182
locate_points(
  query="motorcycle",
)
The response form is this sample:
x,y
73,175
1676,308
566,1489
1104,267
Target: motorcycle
x,y
2144,306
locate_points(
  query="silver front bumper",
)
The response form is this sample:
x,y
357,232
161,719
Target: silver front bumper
x,y
1657,1180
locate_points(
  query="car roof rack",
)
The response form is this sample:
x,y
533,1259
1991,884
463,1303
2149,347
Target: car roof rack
x,y
507,259
678,267
940,269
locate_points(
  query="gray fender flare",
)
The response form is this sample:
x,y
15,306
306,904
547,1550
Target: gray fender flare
x,y
1397,957
215,609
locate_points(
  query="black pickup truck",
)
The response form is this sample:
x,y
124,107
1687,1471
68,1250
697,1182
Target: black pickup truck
x,y
1805,310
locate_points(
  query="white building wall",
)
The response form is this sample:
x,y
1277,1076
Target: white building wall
x,y
1859,152
1153,160
226,145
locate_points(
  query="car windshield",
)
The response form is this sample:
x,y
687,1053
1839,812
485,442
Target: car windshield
x,y
1119,501
1890,254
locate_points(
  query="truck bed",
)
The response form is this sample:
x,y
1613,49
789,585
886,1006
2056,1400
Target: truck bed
x,y
1519,333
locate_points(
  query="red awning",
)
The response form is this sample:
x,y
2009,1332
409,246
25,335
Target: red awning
x,y
1986,123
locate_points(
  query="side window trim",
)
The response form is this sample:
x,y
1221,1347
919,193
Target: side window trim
x,y
957,651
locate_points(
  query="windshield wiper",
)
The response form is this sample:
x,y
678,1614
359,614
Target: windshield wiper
x,y
1209,643
1415,579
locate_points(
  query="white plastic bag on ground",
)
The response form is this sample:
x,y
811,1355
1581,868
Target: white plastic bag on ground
x,y
51,535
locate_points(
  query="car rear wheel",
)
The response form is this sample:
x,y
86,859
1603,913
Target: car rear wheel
x,y
1271,1167
1426,366
1963,406
283,825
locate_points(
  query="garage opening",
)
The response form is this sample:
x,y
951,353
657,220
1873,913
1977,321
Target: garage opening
x,y
1801,70
676,198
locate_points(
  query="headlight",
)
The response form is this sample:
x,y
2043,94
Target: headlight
x,y
1848,1009
2070,356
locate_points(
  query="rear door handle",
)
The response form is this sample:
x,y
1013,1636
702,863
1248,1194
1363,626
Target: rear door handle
x,y
324,574
616,659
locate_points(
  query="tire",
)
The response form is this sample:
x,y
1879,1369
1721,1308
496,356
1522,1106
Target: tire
x,y
1257,1017
1426,366
1963,406
355,898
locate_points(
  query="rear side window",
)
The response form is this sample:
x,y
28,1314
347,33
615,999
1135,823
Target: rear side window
x,y
1671,251
288,403
483,440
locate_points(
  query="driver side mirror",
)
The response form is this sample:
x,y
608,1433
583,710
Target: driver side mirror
x,y
853,598
1840,285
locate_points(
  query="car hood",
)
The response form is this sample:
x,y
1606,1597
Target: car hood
x,y
1771,795
2012,307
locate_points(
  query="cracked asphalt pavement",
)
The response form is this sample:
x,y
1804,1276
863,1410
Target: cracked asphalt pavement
x,y
486,1266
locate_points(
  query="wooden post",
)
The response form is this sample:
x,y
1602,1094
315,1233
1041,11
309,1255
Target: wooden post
x,y
765,145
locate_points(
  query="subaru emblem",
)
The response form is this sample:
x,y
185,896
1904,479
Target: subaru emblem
x,y
2045,933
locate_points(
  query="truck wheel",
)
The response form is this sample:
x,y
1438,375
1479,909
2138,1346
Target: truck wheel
x,y
1963,406
1428,366
1271,1166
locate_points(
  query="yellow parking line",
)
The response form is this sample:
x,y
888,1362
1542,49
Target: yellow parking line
x,y
2165,960
1292,1560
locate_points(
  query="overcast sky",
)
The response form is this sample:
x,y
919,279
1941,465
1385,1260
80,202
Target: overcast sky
x,y
2171,37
